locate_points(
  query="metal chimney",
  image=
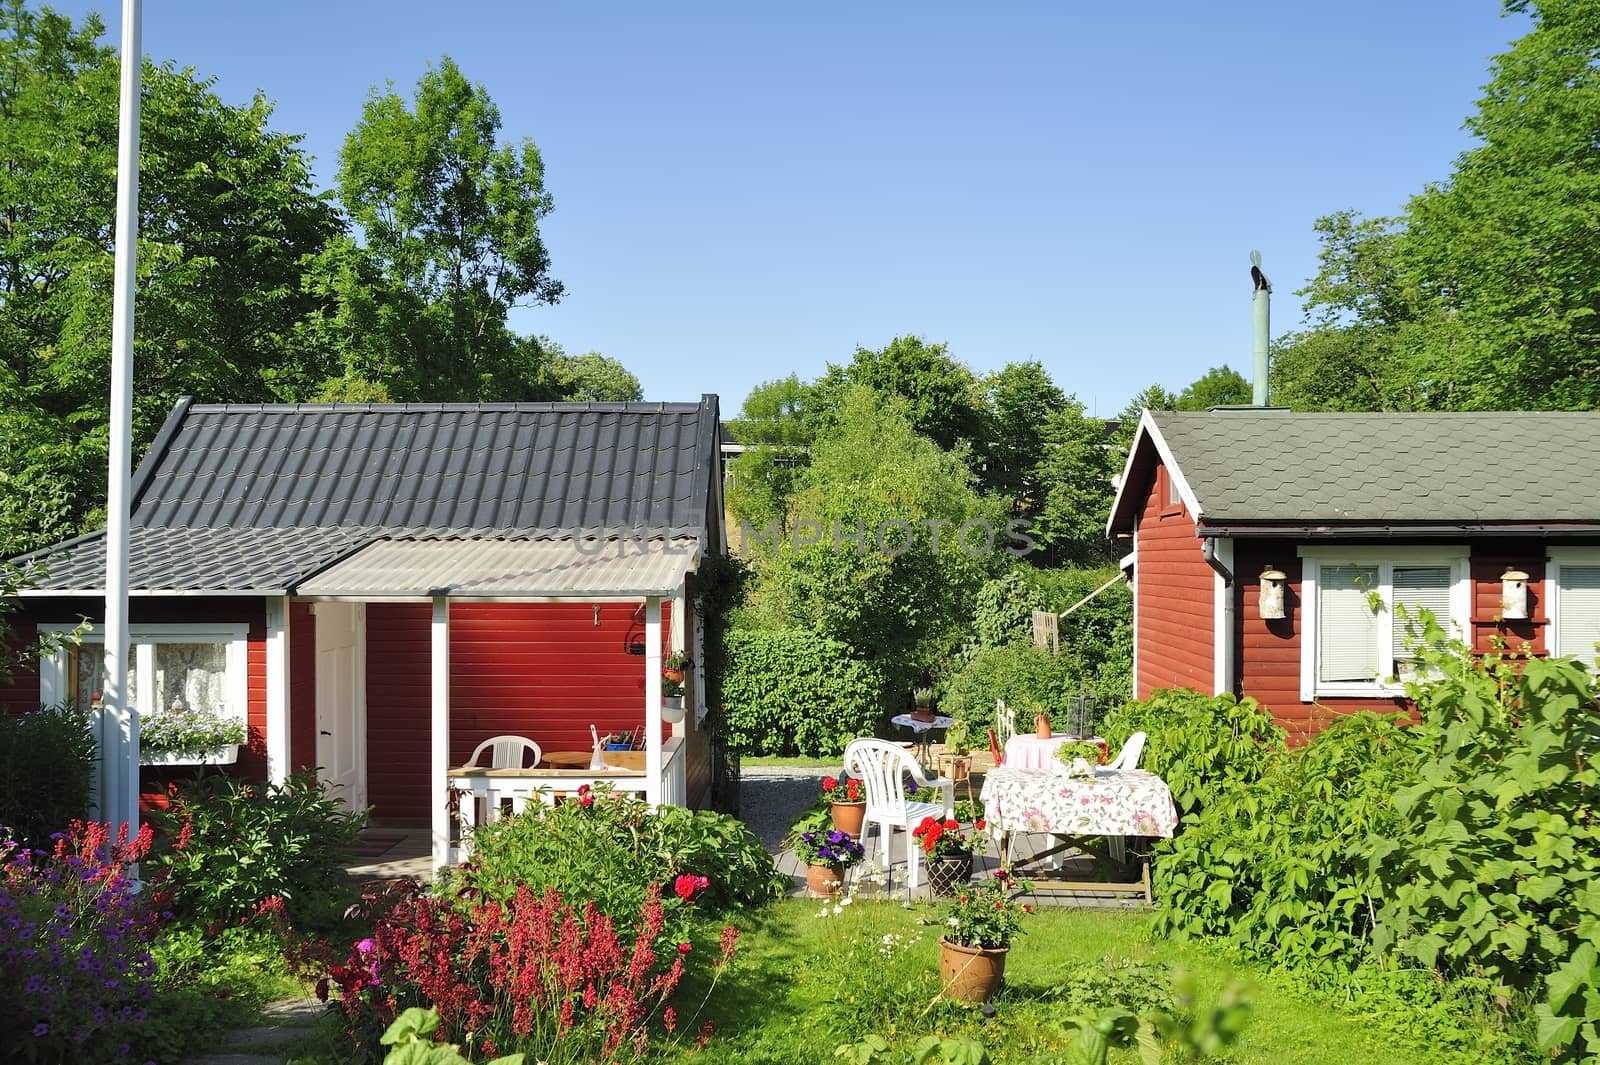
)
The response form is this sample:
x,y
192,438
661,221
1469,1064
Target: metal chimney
x,y
1261,315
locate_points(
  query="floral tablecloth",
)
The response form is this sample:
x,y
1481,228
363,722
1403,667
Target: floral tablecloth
x,y
1127,802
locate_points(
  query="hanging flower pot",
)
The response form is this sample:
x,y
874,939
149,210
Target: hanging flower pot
x,y
970,974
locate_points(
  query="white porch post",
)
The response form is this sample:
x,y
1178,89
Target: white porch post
x,y
440,746
278,689
652,700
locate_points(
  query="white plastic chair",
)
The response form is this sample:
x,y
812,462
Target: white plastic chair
x,y
1005,723
507,752
882,767
510,752
1128,757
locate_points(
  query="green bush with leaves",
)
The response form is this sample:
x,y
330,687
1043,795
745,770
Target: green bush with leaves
x,y
611,847
1026,677
1271,864
791,691
47,760
1492,867
1199,744
228,845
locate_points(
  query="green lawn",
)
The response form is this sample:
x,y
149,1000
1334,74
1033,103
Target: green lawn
x,y
802,985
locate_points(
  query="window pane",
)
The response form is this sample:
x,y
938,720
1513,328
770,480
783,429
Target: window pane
x,y
1419,588
1347,629
191,675
1578,606
89,679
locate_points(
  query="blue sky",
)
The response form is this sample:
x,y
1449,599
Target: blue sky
x,y
748,190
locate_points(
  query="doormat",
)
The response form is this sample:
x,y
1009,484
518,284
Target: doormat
x,y
375,842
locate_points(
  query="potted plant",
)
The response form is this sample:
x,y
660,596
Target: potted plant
x,y
674,667
949,854
1077,759
922,700
671,698
981,923
189,736
827,854
846,804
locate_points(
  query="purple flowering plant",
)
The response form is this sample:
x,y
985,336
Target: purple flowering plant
x,y
75,942
194,731
828,847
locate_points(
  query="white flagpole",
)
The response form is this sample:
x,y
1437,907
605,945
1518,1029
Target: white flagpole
x,y
119,736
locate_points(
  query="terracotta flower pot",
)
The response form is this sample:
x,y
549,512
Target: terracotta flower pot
x,y
848,816
674,675
922,713
824,881
970,974
1041,726
948,875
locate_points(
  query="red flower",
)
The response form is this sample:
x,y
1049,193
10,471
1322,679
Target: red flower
x,y
684,886
952,824
683,948
980,824
829,783
585,795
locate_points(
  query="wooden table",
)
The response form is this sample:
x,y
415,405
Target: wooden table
x,y
566,759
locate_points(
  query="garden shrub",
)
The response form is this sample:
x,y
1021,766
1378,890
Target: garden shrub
x,y
75,949
791,691
1198,743
1271,865
47,760
1492,868
1027,678
612,848
229,846
532,973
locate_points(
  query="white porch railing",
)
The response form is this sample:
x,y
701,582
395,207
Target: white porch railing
x,y
486,794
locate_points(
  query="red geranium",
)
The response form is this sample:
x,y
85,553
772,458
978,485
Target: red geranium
x,y
831,792
942,839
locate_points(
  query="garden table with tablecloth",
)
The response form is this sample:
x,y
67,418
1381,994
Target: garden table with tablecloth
x,y
1125,802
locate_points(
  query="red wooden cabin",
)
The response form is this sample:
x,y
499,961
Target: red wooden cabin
x,y
376,589
1359,514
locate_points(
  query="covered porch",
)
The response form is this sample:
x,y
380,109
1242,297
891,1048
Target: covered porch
x,y
389,668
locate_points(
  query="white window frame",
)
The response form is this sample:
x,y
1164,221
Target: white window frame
x,y
1458,624
54,683
1559,556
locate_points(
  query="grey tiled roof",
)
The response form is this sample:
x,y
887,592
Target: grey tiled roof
x,y
258,497
1507,467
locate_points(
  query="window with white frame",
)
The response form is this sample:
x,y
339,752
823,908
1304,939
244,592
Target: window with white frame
x,y
1354,640
1573,601
200,666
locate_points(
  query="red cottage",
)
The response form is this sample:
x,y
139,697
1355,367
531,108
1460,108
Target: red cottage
x,y
376,589
1269,550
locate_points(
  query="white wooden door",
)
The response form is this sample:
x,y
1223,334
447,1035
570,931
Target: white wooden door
x,y
342,701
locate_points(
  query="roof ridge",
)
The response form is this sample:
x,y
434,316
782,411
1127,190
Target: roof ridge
x,y
531,406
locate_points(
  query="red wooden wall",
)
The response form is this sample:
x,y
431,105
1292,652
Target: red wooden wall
x,y
1267,662
1173,596
543,670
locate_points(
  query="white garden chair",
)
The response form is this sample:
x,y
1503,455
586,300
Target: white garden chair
x,y
505,752
1127,758
1005,723
882,768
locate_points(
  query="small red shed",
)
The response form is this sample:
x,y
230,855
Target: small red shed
x,y
376,589
1268,551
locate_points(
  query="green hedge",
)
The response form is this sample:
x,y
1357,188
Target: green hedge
x,y
790,691
1022,675
47,759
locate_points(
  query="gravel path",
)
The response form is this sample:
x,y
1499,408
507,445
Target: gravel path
x,y
771,797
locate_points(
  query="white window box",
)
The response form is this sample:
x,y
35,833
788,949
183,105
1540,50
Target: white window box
x,y
218,756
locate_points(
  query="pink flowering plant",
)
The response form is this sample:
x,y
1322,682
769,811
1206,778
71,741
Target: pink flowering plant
x,y
989,913
76,972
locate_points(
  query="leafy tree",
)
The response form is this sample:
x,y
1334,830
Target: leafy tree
x,y
941,394
1219,387
596,378
227,217
1021,398
452,217
899,595
774,412
1075,475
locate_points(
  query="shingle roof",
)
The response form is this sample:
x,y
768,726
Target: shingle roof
x,y
257,497
1512,468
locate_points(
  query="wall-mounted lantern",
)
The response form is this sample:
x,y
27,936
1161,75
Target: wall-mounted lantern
x,y
1513,594
1271,602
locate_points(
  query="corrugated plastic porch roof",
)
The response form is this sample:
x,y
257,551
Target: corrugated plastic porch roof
x,y
565,568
